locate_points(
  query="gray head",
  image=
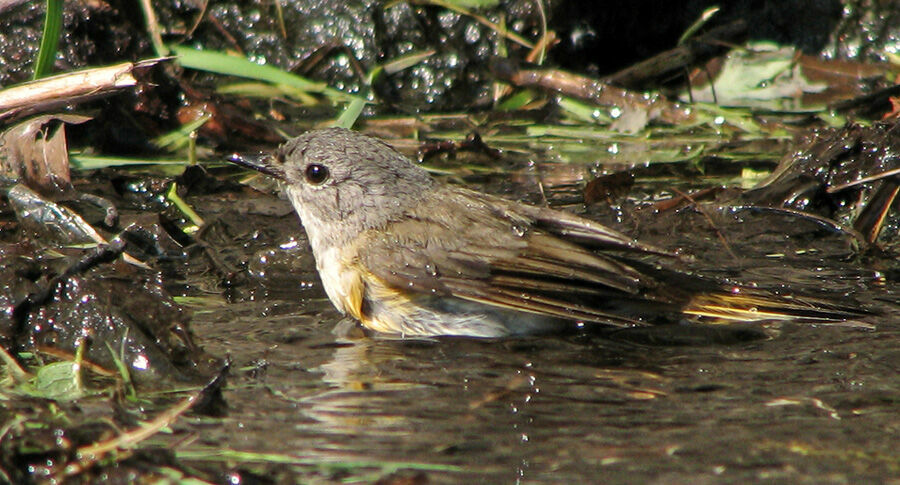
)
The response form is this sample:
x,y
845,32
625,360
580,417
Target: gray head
x,y
342,182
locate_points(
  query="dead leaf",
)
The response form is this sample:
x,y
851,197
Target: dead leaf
x,y
35,152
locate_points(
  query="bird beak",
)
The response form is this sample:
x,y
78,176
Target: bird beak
x,y
264,163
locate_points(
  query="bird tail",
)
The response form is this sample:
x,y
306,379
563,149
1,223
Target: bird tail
x,y
747,304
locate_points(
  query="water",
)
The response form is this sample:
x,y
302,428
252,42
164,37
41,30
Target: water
x,y
815,404
803,404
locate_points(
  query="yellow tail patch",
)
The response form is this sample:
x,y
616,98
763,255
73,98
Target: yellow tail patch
x,y
754,307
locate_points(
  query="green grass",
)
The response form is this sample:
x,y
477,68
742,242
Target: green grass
x,y
231,65
53,20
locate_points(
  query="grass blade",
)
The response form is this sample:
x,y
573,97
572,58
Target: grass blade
x,y
222,63
49,39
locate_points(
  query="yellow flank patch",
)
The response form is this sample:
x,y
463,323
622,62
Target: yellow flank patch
x,y
392,309
354,290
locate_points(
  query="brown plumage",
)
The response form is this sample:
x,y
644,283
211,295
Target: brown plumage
x,y
408,255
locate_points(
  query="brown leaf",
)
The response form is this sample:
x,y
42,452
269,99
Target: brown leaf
x,y
608,187
35,152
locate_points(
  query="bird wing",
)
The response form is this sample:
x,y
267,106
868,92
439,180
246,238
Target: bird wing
x,y
478,248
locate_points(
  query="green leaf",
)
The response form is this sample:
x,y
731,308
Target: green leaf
x,y
521,98
763,76
350,114
49,39
222,63
59,381
90,162
180,137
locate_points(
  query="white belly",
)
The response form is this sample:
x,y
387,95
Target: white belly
x,y
338,282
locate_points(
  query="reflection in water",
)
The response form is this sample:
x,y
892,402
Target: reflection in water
x,y
357,393
429,400
475,403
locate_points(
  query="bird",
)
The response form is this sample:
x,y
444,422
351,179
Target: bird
x,y
408,255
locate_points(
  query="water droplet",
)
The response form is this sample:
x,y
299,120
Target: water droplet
x,y
431,269
140,362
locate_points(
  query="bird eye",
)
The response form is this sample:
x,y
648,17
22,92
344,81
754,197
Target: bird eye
x,y
316,174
